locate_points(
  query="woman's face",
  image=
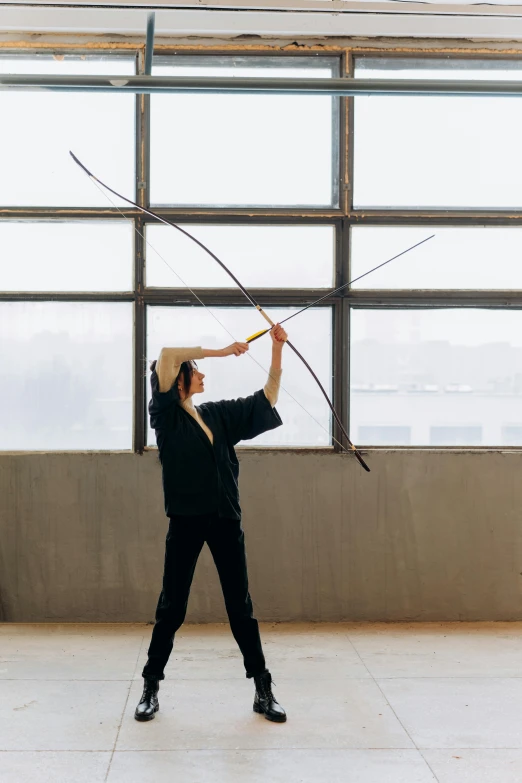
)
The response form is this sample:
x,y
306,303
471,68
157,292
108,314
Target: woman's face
x,y
196,383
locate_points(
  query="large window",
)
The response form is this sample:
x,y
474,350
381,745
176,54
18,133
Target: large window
x,y
72,255
261,256
437,152
450,377
304,411
39,128
91,289
297,195
479,258
66,375
244,150
435,351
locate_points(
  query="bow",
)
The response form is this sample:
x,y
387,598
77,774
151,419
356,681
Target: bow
x,y
257,335
248,296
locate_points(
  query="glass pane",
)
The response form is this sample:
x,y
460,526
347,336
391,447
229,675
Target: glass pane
x,y
43,126
456,258
86,255
260,256
233,377
454,152
238,150
436,377
66,374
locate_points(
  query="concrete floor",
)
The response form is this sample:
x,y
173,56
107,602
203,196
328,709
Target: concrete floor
x,y
366,703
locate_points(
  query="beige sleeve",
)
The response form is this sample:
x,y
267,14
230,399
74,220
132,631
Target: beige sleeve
x,y
272,385
169,363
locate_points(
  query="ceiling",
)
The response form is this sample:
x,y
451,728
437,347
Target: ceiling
x,y
496,21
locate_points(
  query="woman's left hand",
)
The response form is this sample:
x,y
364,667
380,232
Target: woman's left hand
x,y
278,335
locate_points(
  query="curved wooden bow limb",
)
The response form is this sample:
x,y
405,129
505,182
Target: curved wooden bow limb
x,y
249,297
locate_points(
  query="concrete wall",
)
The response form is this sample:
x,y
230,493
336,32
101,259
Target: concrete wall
x,y
424,536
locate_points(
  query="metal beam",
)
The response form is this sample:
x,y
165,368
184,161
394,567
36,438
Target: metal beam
x,y
149,45
245,86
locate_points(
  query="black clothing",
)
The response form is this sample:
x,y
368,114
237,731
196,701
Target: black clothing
x,y
200,477
149,703
185,540
264,700
200,482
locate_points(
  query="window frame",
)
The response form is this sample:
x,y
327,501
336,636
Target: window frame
x,y
271,58
142,296
429,218
343,217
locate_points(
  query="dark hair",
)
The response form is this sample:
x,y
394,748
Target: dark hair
x,y
185,373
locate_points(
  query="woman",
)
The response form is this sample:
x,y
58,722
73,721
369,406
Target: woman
x,y
200,474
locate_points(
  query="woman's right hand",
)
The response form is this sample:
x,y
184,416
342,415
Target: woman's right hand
x,y
236,349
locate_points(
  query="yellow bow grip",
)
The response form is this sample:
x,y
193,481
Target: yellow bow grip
x,y
256,335
260,334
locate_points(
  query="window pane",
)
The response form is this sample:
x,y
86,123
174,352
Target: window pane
x,y
43,126
238,150
233,377
385,435
456,436
87,255
65,376
437,152
260,256
456,258
512,434
440,377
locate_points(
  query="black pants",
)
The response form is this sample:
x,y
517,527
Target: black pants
x,y
184,543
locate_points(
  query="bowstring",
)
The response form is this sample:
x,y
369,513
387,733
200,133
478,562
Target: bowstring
x,y
201,302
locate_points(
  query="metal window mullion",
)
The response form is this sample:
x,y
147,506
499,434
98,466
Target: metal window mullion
x,y
64,213
140,313
140,371
344,308
346,203
435,299
346,367
253,216
337,155
140,343
337,341
233,297
432,218
66,296
370,217
338,349
344,326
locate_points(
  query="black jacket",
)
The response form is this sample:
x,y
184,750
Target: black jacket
x,y
200,477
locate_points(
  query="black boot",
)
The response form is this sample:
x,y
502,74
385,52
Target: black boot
x,y
149,703
264,701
